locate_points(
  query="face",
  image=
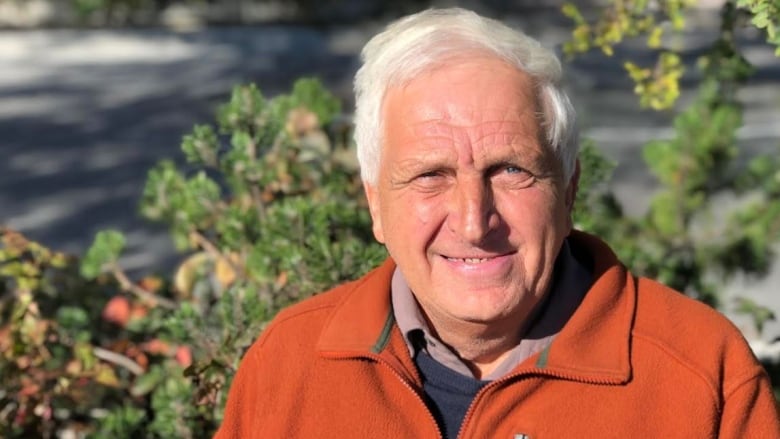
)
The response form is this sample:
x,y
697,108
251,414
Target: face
x,y
470,202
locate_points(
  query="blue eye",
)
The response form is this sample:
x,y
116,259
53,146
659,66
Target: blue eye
x,y
512,176
510,169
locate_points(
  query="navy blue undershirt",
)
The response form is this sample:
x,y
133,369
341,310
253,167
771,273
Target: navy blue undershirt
x,y
449,393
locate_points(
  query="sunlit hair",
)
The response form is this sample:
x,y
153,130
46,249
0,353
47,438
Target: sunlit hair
x,y
428,39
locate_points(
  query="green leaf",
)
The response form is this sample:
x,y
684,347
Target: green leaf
x,y
245,110
665,214
760,20
72,317
201,146
663,160
103,252
310,93
147,382
121,422
759,313
159,199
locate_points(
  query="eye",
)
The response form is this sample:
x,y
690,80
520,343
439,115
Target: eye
x,y
510,169
512,176
430,174
433,180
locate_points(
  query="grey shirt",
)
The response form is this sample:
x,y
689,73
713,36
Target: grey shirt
x,y
571,281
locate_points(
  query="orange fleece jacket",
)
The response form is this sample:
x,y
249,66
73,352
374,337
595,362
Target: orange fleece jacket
x,y
636,360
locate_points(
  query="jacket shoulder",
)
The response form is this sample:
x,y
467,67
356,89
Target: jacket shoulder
x,y
317,302
666,312
299,326
308,315
694,335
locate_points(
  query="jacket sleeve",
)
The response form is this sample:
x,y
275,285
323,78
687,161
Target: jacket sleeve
x,y
750,410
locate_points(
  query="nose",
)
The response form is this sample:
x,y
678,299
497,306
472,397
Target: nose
x,y
472,213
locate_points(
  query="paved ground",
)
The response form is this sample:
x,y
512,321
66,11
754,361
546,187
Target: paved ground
x,y
84,115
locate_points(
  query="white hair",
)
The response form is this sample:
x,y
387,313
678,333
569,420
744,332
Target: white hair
x,y
410,45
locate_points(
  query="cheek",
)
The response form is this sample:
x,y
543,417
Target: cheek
x,y
532,205
414,214
533,213
427,213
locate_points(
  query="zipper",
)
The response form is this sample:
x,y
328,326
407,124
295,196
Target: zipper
x,y
401,378
535,371
480,395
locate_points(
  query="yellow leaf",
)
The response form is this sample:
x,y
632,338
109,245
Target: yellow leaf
x,y
654,39
678,21
635,72
224,271
571,11
188,273
106,376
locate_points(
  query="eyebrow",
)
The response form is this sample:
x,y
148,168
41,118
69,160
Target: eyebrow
x,y
427,162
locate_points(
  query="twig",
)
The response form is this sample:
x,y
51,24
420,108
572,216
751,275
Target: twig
x,y
126,284
118,359
257,200
214,251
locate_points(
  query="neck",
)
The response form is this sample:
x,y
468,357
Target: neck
x,y
482,347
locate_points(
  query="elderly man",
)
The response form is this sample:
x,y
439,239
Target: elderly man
x,y
492,318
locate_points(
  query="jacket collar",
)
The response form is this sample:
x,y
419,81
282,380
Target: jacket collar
x,y
593,346
360,321
362,325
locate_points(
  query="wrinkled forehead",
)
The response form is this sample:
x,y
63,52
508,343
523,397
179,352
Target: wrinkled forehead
x,y
471,63
399,76
464,92
477,109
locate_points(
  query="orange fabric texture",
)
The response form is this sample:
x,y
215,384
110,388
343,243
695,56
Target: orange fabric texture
x,y
635,360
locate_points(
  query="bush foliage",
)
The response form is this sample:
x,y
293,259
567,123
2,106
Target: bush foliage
x,y
681,239
267,207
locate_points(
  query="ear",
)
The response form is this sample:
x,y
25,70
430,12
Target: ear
x,y
372,195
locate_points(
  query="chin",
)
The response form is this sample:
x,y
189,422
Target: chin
x,y
482,314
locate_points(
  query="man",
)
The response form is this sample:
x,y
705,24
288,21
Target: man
x,y
492,318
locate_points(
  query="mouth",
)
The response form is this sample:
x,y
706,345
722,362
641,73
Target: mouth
x,y
475,259
472,261
482,266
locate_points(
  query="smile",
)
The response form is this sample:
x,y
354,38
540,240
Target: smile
x,y
469,260
479,267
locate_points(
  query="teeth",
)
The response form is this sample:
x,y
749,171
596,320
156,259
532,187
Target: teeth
x,y
469,260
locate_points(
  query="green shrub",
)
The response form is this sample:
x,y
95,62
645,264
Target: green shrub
x,y
269,210
680,240
270,215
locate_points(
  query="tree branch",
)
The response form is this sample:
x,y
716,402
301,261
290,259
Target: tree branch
x,y
118,359
212,249
127,285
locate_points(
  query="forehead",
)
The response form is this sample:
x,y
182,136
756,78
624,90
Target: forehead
x,y
473,82
471,101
